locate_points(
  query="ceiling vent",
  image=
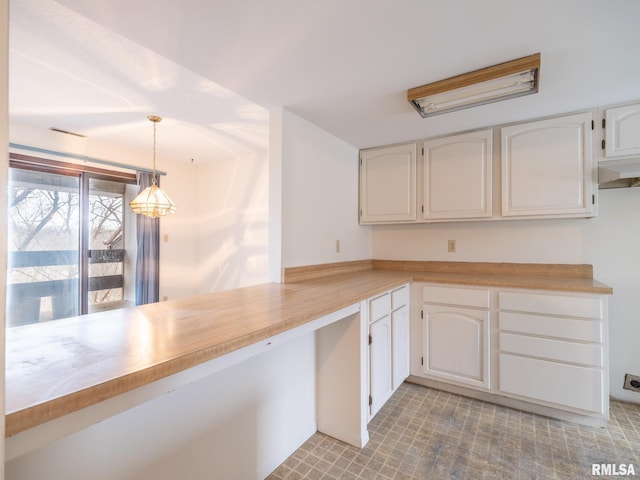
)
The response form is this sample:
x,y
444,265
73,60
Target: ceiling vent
x,y
67,132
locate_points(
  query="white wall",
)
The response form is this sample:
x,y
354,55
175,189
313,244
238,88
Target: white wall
x,y
608,242
231,223
319,197
178,258
4,165
237,424
275,193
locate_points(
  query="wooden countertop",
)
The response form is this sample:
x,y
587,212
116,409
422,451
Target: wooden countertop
x,y
59,367
578,285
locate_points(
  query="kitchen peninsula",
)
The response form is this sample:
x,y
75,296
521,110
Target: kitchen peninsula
x,y
57,369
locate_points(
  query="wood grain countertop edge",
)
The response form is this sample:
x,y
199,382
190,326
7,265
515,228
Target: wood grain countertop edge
x,y
373,281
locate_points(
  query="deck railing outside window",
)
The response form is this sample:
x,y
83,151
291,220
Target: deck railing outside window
x,y
67,249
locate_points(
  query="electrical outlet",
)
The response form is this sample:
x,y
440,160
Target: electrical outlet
x,y
337,246
632,382
451,246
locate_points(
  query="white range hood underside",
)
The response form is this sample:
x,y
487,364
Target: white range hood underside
x,y
619,173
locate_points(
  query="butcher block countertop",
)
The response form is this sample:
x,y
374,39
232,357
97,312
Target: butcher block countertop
x,y
59,367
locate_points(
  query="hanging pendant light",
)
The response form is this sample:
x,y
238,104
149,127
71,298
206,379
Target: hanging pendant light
x,y
153,201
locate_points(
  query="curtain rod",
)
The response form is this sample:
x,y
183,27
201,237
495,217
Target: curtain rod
x,y
83,158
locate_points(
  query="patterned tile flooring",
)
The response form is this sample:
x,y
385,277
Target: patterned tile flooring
x,y
427,434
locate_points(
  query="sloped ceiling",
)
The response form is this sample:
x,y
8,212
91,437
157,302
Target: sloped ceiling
x,y
214,68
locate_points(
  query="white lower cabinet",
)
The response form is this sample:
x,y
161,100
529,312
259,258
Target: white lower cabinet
x,y
553,349
389,350
546,351
455,344
400,336
560,384
455,335
380,366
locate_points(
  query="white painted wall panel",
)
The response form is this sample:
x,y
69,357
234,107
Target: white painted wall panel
x,y
319,197
4,165
239,423
231,218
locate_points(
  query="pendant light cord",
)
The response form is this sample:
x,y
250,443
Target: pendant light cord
x,y
154,180
154,119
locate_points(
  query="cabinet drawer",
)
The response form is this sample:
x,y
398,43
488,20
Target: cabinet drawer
x,y
379,307
566,305
569,328
399,297
559,350
567,385
468,297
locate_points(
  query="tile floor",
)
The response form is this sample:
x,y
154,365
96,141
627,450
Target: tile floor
x,y
423,433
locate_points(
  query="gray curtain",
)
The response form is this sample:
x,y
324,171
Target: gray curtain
x,y
148,252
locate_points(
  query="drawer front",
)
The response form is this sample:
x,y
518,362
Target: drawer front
x,y
400,297
379,307
569,328
566,385
559,350
566,305
468,297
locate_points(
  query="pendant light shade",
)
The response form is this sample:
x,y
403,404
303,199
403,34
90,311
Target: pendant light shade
x,y
153,201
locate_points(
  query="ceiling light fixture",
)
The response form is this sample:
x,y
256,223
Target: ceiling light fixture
x,y
153,201
499,82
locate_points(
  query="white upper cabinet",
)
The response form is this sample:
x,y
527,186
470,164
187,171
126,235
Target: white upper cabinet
x,y
622,131
547,168
388,184
456,174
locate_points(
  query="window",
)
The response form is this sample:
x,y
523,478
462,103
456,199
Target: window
x,y
71,241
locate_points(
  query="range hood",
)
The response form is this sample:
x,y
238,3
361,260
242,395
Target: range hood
x,y
619,173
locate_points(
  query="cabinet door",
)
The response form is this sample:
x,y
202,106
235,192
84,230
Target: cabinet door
x,y
380,361
547,167
561,384
622,132
388,184
456,344
400,348
457,176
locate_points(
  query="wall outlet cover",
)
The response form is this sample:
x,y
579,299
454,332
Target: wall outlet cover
x,y
632,382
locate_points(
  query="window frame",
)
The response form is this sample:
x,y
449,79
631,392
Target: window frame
x,y
84,173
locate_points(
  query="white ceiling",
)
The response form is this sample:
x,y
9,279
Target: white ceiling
x,y
100,67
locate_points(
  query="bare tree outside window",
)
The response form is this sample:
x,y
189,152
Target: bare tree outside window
x,y
44,280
